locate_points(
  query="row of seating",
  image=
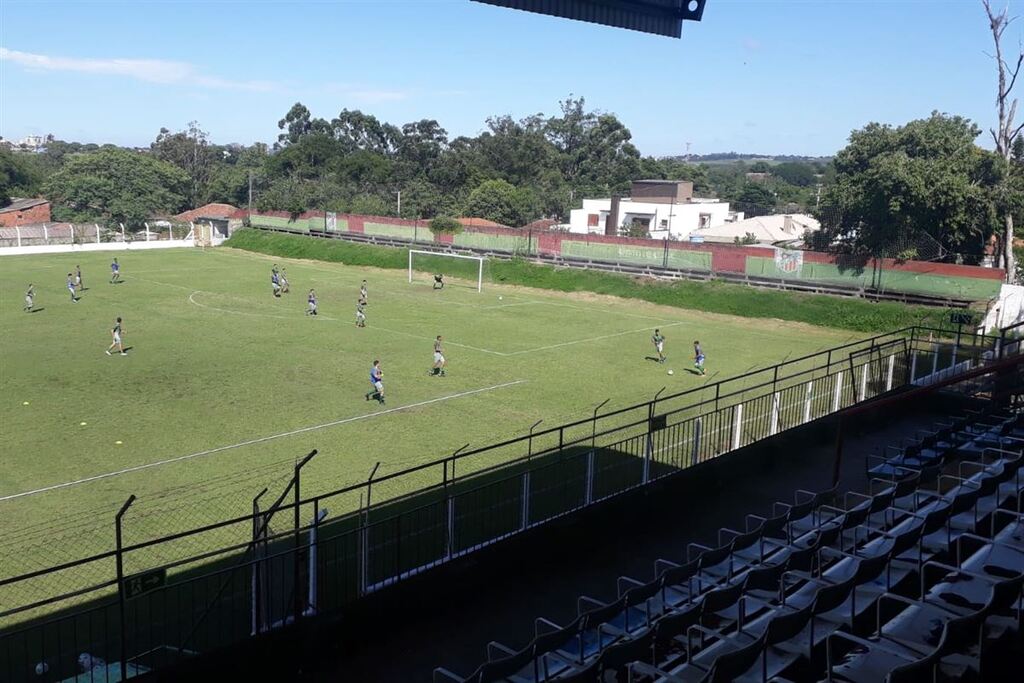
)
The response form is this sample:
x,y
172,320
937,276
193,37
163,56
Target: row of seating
x,y
793,591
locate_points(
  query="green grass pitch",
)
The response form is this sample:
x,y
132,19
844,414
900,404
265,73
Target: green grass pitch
x,y
228,386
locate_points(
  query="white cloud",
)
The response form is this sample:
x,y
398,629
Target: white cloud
x,y
148,70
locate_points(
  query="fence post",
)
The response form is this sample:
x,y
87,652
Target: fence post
x,y
646,475
71,226
364,533
864,382
697,428
588,495
97,226
807,401
297,567
773,421
17,234
737,426
450,505
120,584
892,367
838,391
526,501
257,565
147,231
122,232
935,362
46,235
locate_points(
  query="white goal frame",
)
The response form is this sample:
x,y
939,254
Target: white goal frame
x,y
478,259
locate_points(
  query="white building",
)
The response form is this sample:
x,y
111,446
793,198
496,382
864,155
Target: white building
x,y
773,229
34,142
667,208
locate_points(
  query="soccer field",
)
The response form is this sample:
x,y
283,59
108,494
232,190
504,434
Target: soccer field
x,y
225,387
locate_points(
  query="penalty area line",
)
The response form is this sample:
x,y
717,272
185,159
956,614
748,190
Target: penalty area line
x,y
263,439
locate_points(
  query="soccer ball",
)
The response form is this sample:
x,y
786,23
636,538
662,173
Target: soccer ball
x,y
500,298
671,373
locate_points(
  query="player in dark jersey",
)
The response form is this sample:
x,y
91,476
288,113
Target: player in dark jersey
x,y
438,281
377,381
275,282
30,295
116,333
439,360
362,294
78,278
659,345
311,301
70,284
698,358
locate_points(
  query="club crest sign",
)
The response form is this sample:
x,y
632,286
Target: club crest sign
x,y
789,261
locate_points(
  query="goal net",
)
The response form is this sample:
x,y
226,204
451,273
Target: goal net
x,y
454,269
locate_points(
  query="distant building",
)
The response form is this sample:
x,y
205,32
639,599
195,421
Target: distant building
x,y
216,214
33,143
757,177
666,208
24,212
773,229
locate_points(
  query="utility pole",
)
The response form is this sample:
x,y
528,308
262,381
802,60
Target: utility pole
x,y
250,196
817,198
399,203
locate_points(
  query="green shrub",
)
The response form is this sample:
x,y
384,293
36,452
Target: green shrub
x,y
715,297
445,225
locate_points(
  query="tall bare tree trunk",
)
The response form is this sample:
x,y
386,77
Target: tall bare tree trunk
x,y
1005,133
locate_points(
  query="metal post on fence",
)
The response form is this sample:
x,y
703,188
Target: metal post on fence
x,y
17,234
122,232
935,360
97,226
450,504
773,419
147,230
807,401
652,406
298,534
121,597
737,420
318,517
892,368
257,565
588,496
864,382
71,227
838,391
46,235
529,440
364,533
698,426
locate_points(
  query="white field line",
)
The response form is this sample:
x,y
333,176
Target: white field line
x,y
584,341
191,300
263,439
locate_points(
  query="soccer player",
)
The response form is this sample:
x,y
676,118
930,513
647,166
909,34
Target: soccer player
x,y
30,295
311,300
275,282
70,284
698,358
360,315
659,345
438,281
115,332
439,361
362,293
377,380
115,271
284,281
78,278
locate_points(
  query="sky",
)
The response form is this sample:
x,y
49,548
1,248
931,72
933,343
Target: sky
x,y
754,76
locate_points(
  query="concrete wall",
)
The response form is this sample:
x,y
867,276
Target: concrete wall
x,y
102,246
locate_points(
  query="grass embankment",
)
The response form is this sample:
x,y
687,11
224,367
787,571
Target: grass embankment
x,y
714,297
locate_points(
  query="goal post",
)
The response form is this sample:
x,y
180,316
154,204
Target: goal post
x,y
433,255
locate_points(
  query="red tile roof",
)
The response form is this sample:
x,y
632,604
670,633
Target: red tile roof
x,y
473,222
214,210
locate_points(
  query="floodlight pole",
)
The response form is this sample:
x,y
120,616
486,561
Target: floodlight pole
x,y
118,539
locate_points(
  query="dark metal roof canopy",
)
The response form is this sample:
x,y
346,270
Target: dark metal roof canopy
x,y
663,17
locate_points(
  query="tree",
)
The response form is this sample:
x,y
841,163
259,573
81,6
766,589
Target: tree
x,y
1005,132
794,173
16,177
638,229
894,185
297,123
445,225
755,200
189,150
117,186
502,202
